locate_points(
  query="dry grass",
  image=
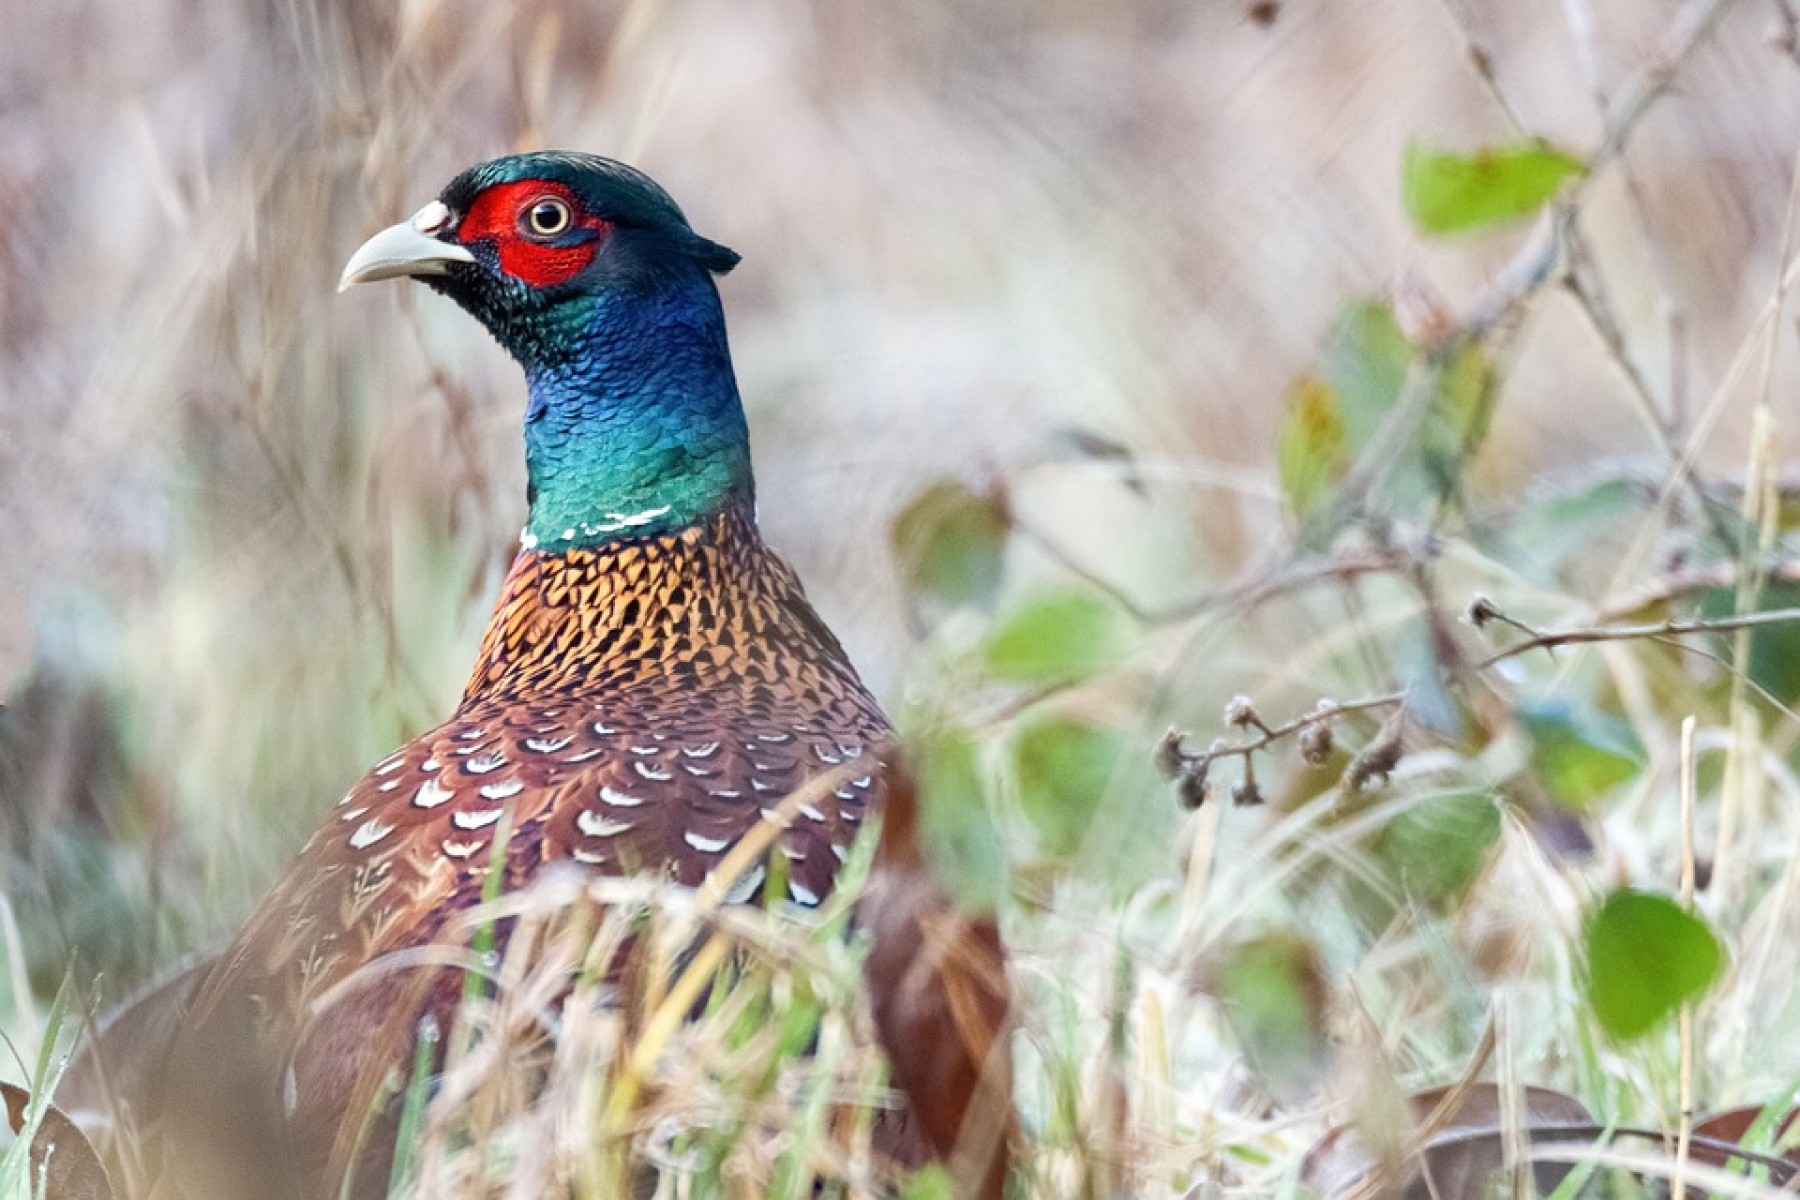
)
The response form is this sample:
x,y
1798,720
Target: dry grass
x,y
254,528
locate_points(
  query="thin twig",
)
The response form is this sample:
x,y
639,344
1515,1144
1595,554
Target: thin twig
x,y
1481,59
1250,590
1088,575
1689,27
1190,767
1483,611
1535,264
1327,710
1582,30
1583,284
1580,17
1619,633
1381,1181
1685,1128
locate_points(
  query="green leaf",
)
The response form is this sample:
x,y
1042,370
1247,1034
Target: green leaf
x,y
1774,659
1647,956
1366,361
415,1097
1274,994
1457,420
1313,452
1436,848
1578,753
950,543
1366,364
1338,419
1059,637
1418,666
956,831
1446,192
1063,769
1571,526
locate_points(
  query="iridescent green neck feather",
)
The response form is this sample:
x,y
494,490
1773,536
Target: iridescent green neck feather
x,y
634,425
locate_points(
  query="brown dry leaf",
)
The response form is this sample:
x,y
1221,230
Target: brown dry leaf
x,y
1458,1158
1716,1137
60,1153
1734,1123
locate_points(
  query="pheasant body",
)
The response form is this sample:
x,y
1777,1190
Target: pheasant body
x,y
637,707
652,682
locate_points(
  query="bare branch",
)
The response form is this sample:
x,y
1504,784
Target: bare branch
x,y
1481,59
1535,264
1695,579
1189,768
1249,590
1582,282
1588,635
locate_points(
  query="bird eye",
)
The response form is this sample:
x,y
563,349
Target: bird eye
x,y
546,218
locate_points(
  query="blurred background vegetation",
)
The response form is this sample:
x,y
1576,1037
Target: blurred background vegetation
x,y
1100,314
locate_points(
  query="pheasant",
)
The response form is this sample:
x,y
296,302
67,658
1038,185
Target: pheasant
x,y
652,680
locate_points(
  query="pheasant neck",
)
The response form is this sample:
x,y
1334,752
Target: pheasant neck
x,y
640,430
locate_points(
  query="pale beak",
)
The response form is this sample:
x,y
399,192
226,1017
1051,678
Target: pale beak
x,y
409,248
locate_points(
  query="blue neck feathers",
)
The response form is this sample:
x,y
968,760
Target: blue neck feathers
x,y
636,427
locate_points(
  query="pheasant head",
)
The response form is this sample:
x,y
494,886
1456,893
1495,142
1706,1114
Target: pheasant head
x,y
589,275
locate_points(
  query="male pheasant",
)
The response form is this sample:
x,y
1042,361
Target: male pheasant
x,y
652,680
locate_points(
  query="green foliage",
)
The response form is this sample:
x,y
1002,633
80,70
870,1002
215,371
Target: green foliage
x,y
1456,420
61,1027
1446,192
1314,450
1430,700
950,544
794,1174
1366,360
1646,957
1058,637
414,1097
1273,991
1343,419
956,830
1062,768
1774,661
1436,848
1566,527
1578,753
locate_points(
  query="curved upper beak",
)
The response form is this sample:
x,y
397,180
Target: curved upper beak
x,y
409,248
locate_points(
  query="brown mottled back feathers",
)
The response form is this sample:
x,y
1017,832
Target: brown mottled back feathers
x,y
634,708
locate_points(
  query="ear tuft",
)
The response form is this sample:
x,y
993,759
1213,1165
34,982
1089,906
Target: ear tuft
x,y
714,257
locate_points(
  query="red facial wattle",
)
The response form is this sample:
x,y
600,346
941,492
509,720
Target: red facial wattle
x,y
496,215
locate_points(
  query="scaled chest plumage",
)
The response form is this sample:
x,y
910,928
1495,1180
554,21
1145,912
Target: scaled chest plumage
x,y
635,708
